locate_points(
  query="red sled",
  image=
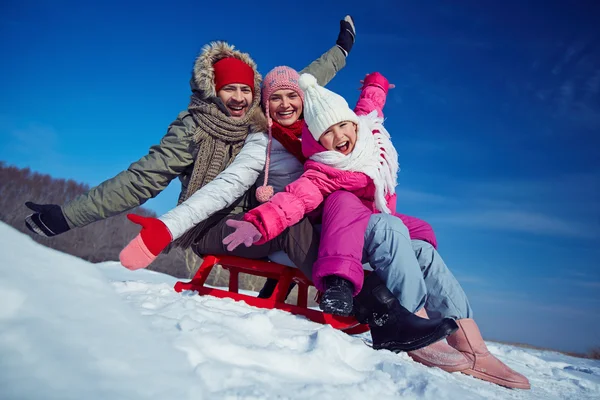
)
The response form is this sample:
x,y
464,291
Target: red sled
x,y
285,276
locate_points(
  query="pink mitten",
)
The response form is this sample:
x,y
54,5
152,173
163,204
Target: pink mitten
x,y
136,255
378,80
146,246
244,232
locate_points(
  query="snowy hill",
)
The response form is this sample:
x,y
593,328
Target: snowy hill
x,y
74,330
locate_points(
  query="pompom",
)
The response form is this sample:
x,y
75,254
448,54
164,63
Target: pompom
x,y
264,193
306,81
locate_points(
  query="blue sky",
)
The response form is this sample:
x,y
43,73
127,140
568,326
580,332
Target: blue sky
x,y
496,118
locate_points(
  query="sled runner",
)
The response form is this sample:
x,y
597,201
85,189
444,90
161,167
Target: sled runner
x,y
284,274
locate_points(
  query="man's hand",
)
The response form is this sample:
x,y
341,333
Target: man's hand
x,y
347,35
47,220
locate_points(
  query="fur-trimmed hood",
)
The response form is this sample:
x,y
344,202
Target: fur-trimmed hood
x,y
203,75
203,79
258,121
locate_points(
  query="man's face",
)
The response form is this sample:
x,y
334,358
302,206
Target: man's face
x,y
237,98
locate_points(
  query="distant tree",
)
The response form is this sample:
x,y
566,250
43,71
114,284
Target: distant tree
x,y
97,242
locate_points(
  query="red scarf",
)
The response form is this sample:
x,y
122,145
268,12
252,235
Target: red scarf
x,y
289,137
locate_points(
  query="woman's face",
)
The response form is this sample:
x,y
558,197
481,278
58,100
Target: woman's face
x,y
340,137
285,106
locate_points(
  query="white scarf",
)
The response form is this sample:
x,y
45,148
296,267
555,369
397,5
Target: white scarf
x,y
373,154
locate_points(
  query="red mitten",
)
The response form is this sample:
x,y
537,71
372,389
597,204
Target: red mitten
x,y
146,246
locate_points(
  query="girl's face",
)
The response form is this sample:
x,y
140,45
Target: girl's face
x,y
340,137
285,106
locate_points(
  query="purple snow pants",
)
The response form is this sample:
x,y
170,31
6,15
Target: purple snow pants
x,y
345,220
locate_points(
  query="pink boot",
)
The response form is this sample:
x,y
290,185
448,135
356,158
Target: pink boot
x,y
484,365
440,354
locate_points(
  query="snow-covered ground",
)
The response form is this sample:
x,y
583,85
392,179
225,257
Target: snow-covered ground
x,y
70,329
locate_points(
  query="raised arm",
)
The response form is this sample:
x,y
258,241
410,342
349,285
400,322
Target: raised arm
x,y
373,94
325,67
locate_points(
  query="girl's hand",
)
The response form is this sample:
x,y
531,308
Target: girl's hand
x,y
376,79
244,232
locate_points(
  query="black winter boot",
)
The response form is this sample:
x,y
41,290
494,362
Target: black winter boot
x,y
393,327
269,287
337,298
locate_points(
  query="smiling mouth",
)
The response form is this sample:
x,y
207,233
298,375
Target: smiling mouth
x,y
236,110
343,147
285,114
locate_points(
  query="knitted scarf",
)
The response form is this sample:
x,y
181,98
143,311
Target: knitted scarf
x,y
373,154
219,138
289,137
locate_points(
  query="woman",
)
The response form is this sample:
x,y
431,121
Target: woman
x,y
348,151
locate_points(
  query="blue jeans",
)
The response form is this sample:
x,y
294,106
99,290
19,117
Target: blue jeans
x,y
413,270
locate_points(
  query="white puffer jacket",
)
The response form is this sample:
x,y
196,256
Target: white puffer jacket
x,y
234,181
284,168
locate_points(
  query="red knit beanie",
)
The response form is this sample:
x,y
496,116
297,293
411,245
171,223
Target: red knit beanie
x,y
233,70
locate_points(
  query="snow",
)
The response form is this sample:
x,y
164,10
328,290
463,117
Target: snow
x,y
70,329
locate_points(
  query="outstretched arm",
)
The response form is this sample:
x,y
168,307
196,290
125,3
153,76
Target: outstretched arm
x,y
143,180
216,195
222,191
373,94
326,67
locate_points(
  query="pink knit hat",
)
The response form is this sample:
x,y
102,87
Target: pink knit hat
x,y
278,78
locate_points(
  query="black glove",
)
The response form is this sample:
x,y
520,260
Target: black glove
x,y
48,219
345,39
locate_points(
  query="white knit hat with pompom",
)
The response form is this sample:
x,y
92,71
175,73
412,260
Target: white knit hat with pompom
x,y
322,107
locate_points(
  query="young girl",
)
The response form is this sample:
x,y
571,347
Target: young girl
x,y
346,152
